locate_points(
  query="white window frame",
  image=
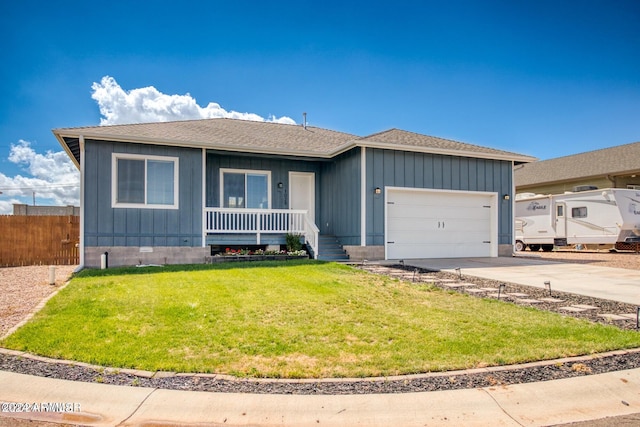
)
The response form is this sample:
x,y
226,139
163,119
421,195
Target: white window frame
x,y
114,181
245,172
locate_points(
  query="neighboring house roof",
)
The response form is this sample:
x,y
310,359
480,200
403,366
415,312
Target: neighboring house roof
x,y
268,138
622,159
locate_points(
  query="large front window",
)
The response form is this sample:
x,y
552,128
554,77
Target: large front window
x,y
245,189
144,181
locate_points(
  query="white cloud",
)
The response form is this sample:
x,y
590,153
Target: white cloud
x,y
147,104
52,176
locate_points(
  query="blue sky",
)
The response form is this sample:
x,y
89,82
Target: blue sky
x,y
543,78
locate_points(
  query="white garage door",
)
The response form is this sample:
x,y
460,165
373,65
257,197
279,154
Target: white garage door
x,y
440,224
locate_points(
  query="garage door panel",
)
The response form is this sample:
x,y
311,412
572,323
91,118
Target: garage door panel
x,y
412,199
478,205
406,211
470,225
432,224
429,227
452,250
409,237
440,211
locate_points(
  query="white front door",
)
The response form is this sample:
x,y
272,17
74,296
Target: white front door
x,y
302,192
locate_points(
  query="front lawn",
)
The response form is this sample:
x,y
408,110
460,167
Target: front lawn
x,y
291,320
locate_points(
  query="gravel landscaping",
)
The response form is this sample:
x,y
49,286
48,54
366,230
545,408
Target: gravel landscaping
x,y
601,258
483,377
23,288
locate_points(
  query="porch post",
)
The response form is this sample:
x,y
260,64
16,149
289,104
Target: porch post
x,y
258,227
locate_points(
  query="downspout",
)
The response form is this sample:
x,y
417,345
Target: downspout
x,y
82,204
513,208
363,196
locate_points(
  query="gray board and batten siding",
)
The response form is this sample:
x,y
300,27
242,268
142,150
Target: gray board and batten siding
x,y
105,226
337,191
340,208
434,171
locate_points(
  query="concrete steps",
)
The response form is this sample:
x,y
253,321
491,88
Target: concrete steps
x,y
329,249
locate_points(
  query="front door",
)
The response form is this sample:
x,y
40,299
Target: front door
x,y
302,192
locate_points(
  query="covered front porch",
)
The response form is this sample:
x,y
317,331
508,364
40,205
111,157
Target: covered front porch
x,y
259,226
256,200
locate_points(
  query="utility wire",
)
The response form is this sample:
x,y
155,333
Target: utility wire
x,y
39,187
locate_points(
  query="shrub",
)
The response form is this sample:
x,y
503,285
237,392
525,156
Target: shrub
x,y
293,242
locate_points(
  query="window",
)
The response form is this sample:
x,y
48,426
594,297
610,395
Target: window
x,y
144,181
245,189
579,212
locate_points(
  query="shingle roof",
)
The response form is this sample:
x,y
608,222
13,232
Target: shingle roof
x,y
399,137
269,138
607,161
240,135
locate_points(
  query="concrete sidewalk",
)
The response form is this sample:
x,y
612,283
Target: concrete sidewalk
x,y
615,284
534,404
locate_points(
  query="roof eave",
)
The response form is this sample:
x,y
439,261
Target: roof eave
x,y
187,144
67,150
460,153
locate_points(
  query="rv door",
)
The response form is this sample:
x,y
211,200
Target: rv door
x,y
561,221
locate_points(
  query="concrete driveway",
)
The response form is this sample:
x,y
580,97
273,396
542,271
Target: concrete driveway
x,y
615,284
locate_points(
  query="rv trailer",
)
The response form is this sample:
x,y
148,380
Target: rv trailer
x,y
604,217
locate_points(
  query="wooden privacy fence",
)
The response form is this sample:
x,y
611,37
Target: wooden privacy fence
x,y
39,240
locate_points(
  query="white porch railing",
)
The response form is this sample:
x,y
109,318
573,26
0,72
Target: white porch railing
x,y
262,221
311,232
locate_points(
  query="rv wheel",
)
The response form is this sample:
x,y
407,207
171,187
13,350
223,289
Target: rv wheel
x,y
534,248
520,246
547,248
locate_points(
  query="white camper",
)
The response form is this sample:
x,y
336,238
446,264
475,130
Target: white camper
x,y
605,217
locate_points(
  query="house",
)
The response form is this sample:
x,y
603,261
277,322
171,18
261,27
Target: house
x,y
173,192
615,167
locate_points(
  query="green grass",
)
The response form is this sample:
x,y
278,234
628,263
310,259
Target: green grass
x,y
291,320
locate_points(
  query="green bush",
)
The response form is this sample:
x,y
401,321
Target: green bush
x,y
293,242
